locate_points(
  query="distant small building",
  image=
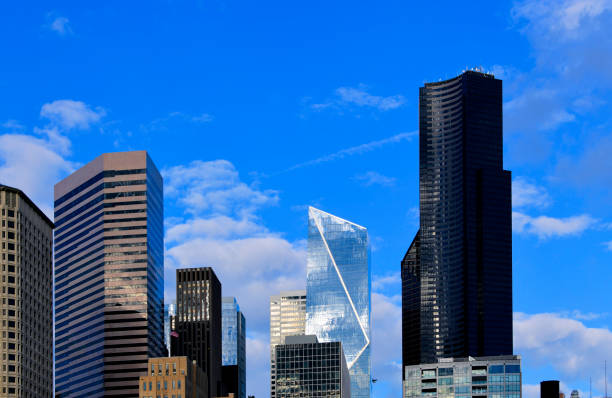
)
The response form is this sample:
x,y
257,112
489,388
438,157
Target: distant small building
x,y
575,394
306,368
173,376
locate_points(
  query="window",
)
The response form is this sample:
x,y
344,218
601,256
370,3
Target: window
x,y
496,369
144,386
513,368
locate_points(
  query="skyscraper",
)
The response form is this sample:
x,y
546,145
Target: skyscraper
x,y
457,273
27,315
287,318
233,340
338,287
109,308
198,322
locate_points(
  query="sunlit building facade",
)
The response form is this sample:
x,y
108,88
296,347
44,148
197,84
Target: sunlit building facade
x,y
109,277
338,291
287,318
492,377
26,297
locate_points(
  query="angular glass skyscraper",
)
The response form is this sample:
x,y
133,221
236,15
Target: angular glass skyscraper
x,y
338,298
233,341
457,273
109,275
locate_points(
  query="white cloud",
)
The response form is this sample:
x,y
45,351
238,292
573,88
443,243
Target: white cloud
x,y
608,245
381,282
214,187
525,194
28,163
570,347
358,149
221,229
387,342
61,25
565,17
69,114
536,109
373,178
547,227
359,96
13,125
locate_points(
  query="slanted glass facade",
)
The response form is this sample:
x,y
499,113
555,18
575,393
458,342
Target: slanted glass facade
x,y
338,298
492,377
233,340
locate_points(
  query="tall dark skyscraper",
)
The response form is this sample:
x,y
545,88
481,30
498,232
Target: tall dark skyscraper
x,y
457,273
197,324
109,275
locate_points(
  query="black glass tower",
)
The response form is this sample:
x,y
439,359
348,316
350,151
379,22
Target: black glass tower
x,y
197,324
457,273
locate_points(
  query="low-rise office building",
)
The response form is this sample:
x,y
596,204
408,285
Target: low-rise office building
x,y
306,368
492,377
173,377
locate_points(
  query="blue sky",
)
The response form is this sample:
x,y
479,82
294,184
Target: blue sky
x,y
255,110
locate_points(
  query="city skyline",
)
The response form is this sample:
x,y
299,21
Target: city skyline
x,y
253,112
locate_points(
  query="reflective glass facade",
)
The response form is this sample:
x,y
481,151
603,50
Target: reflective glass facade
x,y
457,273
492,377
233,340
338,291
312,370
108,275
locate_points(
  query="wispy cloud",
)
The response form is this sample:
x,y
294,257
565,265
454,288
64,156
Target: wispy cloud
x,y
356,150
545,227
13,125
373,178
163,123
527,194
60,25
359,96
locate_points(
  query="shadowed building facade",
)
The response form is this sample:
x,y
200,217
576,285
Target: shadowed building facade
x,y
197,324
108,275
338,285
26,331
457,273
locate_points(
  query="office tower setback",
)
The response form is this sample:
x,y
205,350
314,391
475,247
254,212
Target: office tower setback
x,y
496,377
109,287
233,355
197,324
307,368
457,273
27,315
338,291
287,318
176,377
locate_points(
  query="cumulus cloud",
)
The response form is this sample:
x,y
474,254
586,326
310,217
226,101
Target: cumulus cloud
x,y
360,97
373,178
215,187
70,114
387,342
536,109
548,227
380,282
220,228
527,194
568,345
